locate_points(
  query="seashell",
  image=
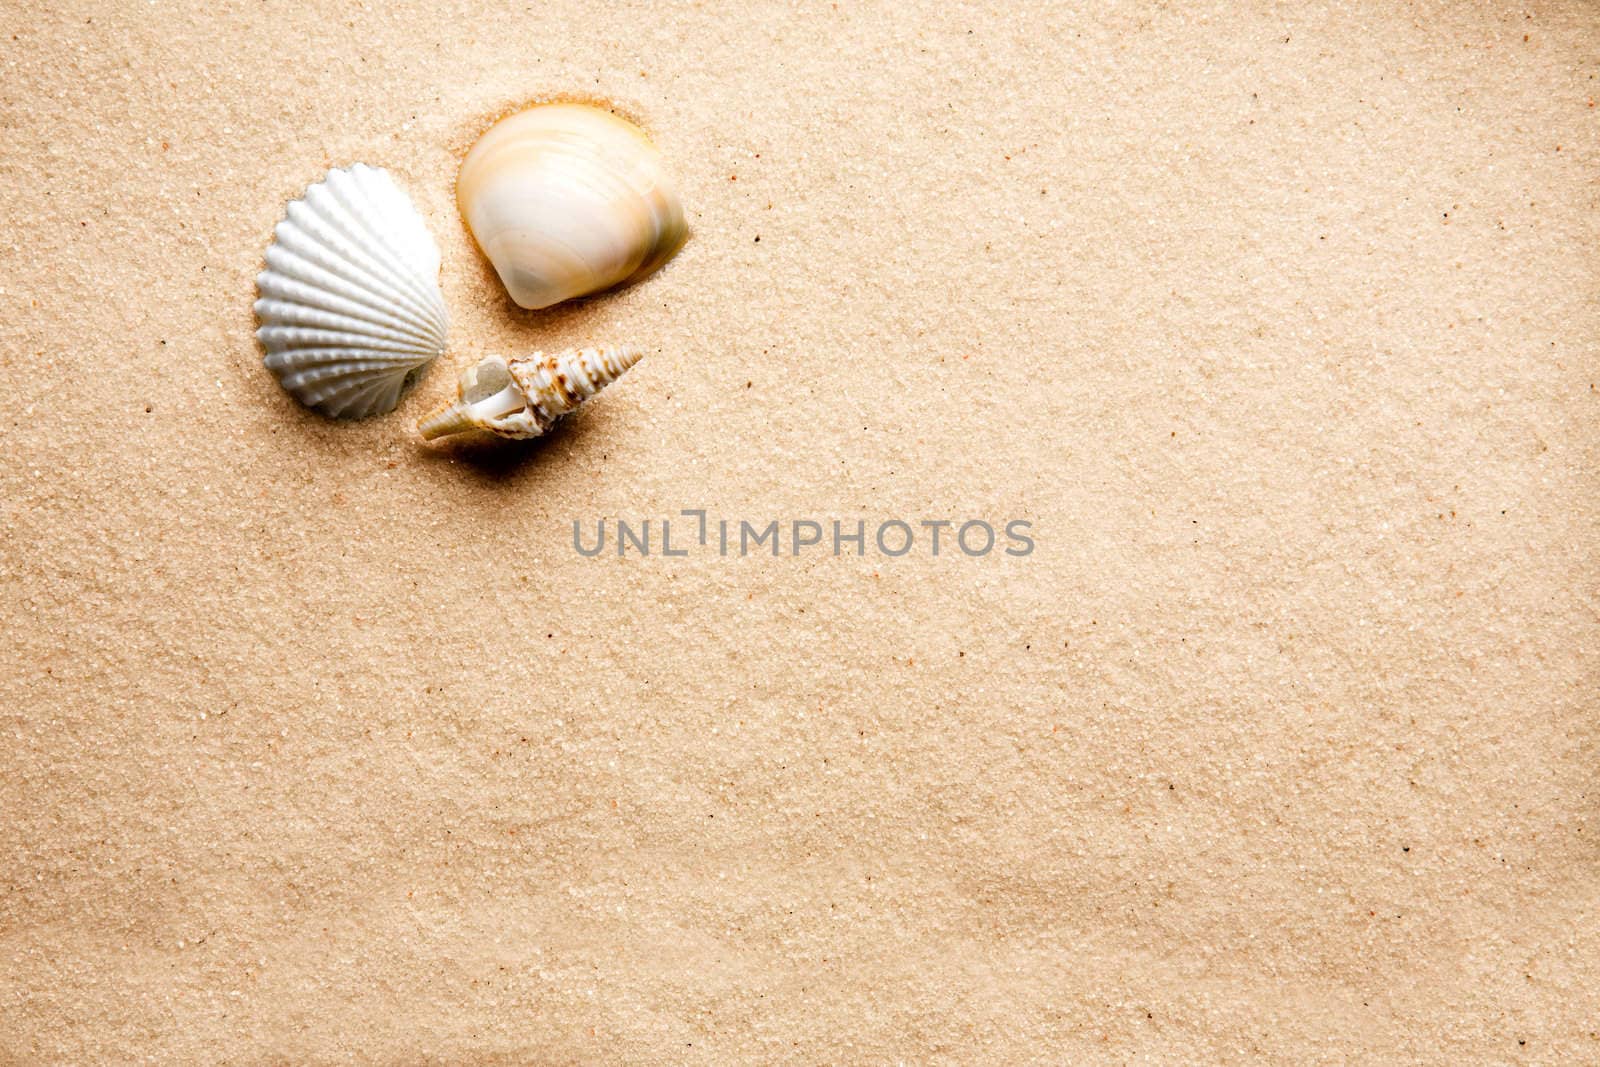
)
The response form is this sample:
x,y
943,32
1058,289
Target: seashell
x,y
350,306
567,199
522,398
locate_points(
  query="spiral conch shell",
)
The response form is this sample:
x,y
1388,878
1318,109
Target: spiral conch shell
x,y
567,199
522,398
350,306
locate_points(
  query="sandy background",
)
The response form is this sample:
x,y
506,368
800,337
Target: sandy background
x,y
1280,324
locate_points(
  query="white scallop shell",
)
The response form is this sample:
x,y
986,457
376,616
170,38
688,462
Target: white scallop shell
x,y
350,305
568,199
522,398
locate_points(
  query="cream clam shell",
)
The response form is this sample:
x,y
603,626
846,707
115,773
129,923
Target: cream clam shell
x,y
566,200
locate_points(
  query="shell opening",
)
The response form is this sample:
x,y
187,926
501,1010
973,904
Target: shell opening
x,y
484,380
463,416
499,405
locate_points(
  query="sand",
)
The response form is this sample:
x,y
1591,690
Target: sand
x,y
1278,324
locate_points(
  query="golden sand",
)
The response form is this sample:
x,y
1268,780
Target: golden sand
x,y
1279,326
